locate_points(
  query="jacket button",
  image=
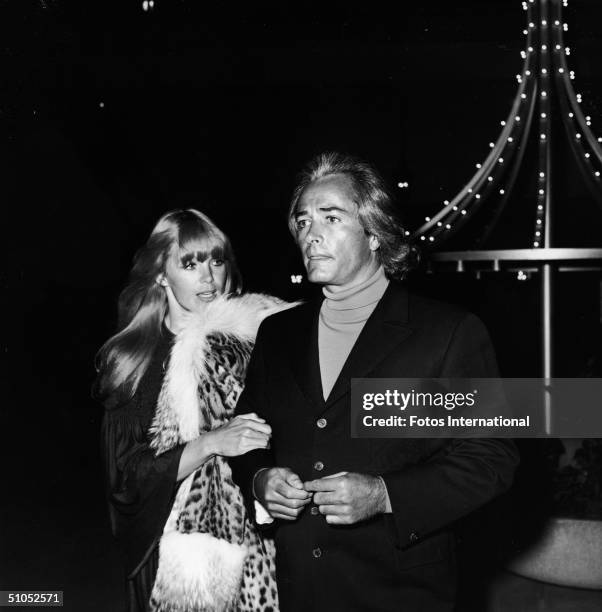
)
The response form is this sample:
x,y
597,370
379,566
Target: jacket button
x,y
414,537
316,552
318,466
314,510
321,423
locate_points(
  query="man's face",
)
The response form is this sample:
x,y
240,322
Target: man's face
x,y
336,250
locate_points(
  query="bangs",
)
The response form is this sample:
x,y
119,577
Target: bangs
x,y
199,240
201,250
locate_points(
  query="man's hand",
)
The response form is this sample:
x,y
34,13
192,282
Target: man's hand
x,y
280,491
348,498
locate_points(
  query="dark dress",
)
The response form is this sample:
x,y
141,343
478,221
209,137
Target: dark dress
x,y
140,486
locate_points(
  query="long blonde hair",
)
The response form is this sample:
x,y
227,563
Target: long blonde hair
x,y
124,358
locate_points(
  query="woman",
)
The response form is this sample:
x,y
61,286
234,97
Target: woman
x,y
170,379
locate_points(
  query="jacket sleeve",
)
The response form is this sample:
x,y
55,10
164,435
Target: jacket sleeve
x,y
139,486
467,473
254,398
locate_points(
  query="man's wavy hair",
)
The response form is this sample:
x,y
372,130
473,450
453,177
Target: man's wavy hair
x,y
376,210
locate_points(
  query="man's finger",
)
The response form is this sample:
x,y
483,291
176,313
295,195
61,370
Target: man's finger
x,y
294,480
327,497
323,484
280,511
289,492
335,509
333,519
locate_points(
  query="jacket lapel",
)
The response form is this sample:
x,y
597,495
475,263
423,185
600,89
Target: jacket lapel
x,y
304,356
384,330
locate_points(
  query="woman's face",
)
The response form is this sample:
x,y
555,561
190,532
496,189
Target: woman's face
x,y
196,275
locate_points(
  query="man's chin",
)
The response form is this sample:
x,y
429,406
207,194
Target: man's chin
x,y
318,276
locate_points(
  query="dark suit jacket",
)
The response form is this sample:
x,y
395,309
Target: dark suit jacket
x,y
405,560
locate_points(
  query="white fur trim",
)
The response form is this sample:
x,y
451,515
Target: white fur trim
x,y
198,572
238,316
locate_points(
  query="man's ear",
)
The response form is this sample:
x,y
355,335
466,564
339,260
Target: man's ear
x,y
161,280
373,243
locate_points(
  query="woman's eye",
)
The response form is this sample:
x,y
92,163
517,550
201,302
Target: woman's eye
x,y
301,223
190,265
218,262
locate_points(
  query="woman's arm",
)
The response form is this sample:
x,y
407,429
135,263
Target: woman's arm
x,y
242,434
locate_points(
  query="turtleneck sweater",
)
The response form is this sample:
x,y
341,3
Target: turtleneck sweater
x,y
343,315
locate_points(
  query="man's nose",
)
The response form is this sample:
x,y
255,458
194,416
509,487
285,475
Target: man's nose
x,y
314,235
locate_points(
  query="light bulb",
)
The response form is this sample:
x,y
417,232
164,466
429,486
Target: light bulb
x,y
541,192
542,175
500,160
544,71
536,244
502,192
543,115
490,178
510,139
463,212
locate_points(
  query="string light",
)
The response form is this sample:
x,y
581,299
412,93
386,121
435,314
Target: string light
x,y
542,175
567,50
587,156
543,115
502,192
490,178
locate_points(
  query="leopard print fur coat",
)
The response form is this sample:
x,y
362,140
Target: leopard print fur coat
x,y
211,557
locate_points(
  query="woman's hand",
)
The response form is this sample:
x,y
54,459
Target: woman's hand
x,y
242,434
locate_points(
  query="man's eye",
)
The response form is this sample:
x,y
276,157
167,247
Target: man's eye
x,y
332,219
301,223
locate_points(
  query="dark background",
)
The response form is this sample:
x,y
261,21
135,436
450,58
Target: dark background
x,y
112,115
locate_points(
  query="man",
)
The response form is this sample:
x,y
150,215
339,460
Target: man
x,y
361,524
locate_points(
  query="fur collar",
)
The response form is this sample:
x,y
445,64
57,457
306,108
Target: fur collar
x,y
177,416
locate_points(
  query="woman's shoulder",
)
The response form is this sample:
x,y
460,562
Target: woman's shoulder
x,y
238,315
